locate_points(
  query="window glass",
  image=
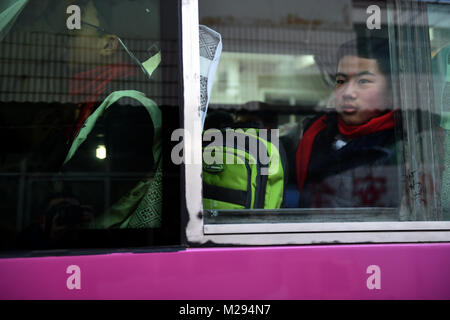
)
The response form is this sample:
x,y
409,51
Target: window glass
x,y
315,93
439,29
87,101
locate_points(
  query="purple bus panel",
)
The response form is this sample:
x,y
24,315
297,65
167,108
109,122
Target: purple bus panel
x,y
394,271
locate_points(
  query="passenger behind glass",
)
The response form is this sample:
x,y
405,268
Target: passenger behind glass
x,y
347,158
99,65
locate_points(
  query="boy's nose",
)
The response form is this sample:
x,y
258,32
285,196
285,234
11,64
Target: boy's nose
x,y
349,90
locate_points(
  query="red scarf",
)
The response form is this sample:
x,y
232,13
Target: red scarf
x,y
384,122
89,85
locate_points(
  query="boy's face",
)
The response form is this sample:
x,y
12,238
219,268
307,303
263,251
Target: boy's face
x,y
361,91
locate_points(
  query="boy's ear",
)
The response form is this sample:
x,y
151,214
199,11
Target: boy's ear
x,y
108,44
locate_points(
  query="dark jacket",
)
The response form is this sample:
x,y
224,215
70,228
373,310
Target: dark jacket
x,y
361,172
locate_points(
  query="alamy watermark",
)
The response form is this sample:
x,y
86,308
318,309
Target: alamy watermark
x,y
74,20
374,20
73,282
231,146
374,280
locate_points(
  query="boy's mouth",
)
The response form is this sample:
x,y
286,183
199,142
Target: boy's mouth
x,y
348,109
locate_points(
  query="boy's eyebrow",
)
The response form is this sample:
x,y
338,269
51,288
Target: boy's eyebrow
x,y
340,74
366,73
362,73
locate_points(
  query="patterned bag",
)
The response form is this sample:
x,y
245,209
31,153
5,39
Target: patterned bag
x,y
210,51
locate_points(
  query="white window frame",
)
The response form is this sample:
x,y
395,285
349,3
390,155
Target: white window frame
x,y
198,233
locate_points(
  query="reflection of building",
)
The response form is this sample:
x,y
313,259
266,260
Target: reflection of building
x,y
277,64
280,52
34,69
289,68
282,55
245,77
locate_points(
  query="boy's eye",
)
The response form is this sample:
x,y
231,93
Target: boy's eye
x,y
364,81
340,81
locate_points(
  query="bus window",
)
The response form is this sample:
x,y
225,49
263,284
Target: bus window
x,y
439,28
87,103
315,122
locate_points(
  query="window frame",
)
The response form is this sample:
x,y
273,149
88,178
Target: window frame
x,y
199,233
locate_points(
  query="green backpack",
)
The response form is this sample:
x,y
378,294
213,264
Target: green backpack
x,y
244,175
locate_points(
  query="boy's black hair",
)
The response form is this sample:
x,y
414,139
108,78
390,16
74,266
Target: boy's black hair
x,y
368,48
